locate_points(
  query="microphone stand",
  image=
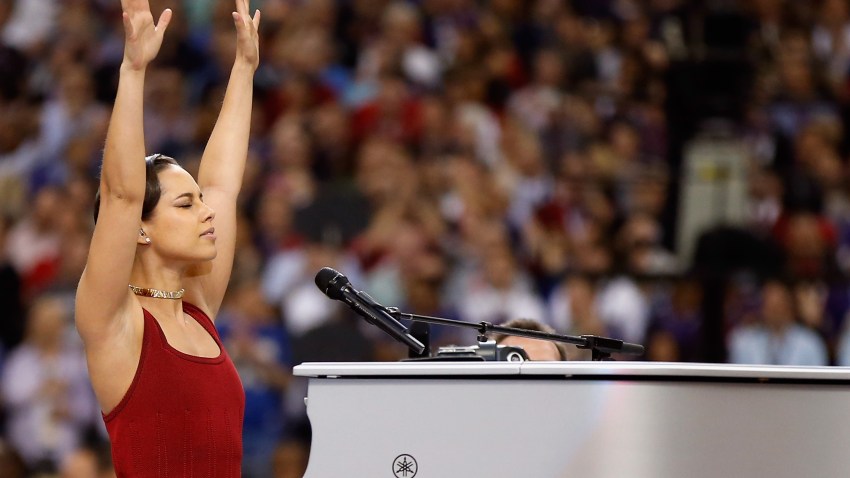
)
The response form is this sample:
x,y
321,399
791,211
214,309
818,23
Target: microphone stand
x,y
601,347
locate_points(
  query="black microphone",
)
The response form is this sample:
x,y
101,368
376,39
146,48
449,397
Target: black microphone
x,y
336,286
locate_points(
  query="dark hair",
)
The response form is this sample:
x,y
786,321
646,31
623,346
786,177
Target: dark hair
x,y
531,324
153,165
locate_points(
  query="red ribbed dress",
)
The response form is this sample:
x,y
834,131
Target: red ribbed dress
x,y
182,415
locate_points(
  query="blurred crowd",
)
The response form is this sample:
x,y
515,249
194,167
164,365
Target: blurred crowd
x,y
481,160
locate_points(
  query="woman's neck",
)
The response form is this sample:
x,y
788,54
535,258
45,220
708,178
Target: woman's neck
x,y
159,289
158,277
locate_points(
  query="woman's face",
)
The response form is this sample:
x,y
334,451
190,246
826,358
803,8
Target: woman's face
x,y
181,226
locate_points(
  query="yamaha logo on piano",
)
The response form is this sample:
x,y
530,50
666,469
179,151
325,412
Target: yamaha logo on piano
x,y
404,466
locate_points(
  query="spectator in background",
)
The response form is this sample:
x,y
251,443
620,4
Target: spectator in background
x,y
399,45
523,175
11,296
499,290
776,338
843,348
675,327
623,308
20,153
394,114
90,461
809,242
831,40
30,25
169,125
72,117
288,283
638,242
46,387
536,104
259,347
424,283
11,463
800,97
291,457
33,245
574,310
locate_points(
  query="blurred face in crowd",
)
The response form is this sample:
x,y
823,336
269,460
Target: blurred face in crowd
x,y
392,94
330,123
639,238
74,252
401,24
582,297
383,171
528,157
548,68
180,227
77,88
500,269
662,347
80,464
797,79
833,13
805,239
11,464
45,206
767,10
310,51
274,213
46,322
167,91
250,302
4,233
291,146
777,308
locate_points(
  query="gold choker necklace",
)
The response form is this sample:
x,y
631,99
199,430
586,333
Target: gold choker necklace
x,y
156,293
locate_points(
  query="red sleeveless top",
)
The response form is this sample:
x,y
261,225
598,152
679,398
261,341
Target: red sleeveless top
x,y
182,415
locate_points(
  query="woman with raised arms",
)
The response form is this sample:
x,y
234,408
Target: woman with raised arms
x,y
158,266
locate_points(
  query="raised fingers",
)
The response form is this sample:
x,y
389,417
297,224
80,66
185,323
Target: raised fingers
x,y
242,8
135,6
164,20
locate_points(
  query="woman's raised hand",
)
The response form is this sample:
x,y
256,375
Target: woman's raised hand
x,y
142,37
247,38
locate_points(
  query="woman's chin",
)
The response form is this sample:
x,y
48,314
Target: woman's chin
x,y
204,257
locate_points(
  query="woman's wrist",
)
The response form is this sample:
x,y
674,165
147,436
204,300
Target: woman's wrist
x,y
128,67
243,64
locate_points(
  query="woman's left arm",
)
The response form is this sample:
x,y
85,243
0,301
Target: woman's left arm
x,y
223,163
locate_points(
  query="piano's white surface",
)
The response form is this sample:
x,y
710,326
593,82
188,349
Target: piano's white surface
x,y
589,419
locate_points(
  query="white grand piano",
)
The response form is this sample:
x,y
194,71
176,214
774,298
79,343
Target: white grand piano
x,y
576,419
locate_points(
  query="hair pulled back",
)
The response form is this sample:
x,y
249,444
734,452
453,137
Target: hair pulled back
x,y
153,165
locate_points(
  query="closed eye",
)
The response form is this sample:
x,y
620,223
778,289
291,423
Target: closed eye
x,y
188,197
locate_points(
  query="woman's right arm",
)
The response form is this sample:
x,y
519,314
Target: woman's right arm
x,y
102,295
